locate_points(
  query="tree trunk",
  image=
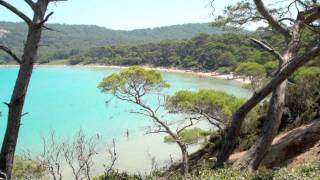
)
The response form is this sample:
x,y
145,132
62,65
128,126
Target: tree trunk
x,y
17,101
255,155
257,152
185,158
239,116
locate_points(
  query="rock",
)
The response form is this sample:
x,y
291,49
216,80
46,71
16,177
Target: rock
x,y
293,146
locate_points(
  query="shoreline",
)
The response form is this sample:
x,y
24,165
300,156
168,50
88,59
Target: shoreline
x,y
213,74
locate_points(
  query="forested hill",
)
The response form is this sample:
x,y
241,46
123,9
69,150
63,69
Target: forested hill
x,y
68,40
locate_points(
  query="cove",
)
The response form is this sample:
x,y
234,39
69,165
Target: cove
x,y
65,99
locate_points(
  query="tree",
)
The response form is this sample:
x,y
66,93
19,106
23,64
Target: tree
x,y
26,63
289,60
216,107
132,85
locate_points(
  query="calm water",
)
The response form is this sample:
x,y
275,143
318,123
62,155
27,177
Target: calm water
x,y
67,99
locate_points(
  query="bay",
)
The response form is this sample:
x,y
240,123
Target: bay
x,y
66,99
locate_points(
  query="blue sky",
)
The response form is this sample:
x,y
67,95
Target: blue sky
x,y
125,14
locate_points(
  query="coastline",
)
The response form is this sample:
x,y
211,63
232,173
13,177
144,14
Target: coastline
x,y
213,74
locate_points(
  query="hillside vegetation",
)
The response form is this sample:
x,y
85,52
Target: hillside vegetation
x,y
68,40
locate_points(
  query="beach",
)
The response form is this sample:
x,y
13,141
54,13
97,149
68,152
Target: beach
x,y
214,74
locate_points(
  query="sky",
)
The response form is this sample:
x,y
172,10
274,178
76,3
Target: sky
x,y
125,14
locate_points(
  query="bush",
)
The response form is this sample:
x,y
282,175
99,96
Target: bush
x,y
224,70
305,71
303,101
271,67
27,169
114,175
308,171
74,61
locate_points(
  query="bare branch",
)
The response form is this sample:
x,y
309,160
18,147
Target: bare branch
x,y
156,131
188,125
16,11
274,23
31,4
113,157
8,51
46,18
8,104
268,48
24,114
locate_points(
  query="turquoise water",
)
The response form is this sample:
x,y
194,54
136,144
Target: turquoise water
x,y
65,99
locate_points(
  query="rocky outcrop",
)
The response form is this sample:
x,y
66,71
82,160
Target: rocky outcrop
x,y
292,147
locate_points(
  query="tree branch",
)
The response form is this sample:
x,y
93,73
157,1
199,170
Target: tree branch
x,y
314,16
31,4
46,19
238,117
274,23
16,11
266,47
188,125
8,51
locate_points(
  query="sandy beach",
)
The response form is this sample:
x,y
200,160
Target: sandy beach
x,y
213,74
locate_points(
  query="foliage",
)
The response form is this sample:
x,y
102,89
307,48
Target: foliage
x,y
27,169
133,79
190,136
305,71
224,70
251,69
271,67
214,103
308,171
114,175
69,40
202,52
302,100
256,73
219,107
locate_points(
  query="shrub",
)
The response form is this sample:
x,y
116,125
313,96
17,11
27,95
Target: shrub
x,y
308,171
305,71
27,169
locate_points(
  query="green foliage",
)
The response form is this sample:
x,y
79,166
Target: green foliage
x,y
133,79
308,171
305,71
303,100
2,62
271,66
215,103
70,40
256,73
251,69
114,175
190,136
202,52
224,70
27,169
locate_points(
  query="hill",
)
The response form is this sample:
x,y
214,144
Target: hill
x,y
69,40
